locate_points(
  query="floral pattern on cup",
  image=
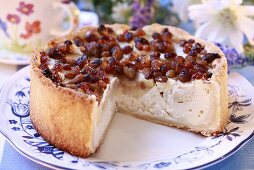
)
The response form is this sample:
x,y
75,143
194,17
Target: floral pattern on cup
x,y
24,8
13,18
31,28
3,27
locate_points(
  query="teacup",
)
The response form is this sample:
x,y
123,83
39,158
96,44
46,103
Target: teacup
x,y
26,24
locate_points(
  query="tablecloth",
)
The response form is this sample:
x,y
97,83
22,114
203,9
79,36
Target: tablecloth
x,y
10,159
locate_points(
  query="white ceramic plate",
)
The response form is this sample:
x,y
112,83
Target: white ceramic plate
x,y
130,143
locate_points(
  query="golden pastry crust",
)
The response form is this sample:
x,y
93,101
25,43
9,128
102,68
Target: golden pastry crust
x,y
61,116
64,117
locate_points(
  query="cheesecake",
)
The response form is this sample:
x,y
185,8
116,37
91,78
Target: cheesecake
x,y
157,73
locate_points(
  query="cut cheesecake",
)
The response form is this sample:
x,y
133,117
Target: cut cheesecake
x,y
157,73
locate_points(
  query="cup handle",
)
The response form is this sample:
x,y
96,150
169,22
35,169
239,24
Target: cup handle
x,y
73,12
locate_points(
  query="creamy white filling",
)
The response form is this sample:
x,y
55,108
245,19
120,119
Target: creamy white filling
x,y
103,114
194,105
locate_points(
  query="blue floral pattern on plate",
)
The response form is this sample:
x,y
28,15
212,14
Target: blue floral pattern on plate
x,y
20,124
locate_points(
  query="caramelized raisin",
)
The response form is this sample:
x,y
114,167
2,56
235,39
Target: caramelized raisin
x,y
127,49
90,36
68,42
95,63
184,75
170,55
157,36
139,32
117,53
155,65
161,79
171,74
210,57
81,61
148,74
128,36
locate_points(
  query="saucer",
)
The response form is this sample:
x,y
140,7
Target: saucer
x,y
13,58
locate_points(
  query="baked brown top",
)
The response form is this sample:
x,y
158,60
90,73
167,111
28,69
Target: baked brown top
x,y
87,62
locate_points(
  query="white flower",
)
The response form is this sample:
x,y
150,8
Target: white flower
x,y
224,21
120,12
181,8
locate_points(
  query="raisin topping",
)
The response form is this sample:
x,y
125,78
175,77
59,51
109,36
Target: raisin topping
x,y
155,55
146,48
90,36
148,74
209,74
141,40
210,57
170,55
101,29
55,53
139,46
68,42
191,41
139,32
167,36
87,77
129,72
157,36
145,61
120,38
127,49
128,36
96,63
182,43
117,52
67,67
78,42
162,79
171,74
47,73
156,65
81,61
165,67
93,49
44,58
184,75
157,74
106,54
187,48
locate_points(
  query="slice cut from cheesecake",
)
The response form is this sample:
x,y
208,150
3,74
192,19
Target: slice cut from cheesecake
x,y
157,73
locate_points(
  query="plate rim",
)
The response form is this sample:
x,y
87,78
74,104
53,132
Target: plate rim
x,y
47,164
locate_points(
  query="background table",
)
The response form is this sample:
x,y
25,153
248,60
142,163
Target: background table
x,y
10,159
